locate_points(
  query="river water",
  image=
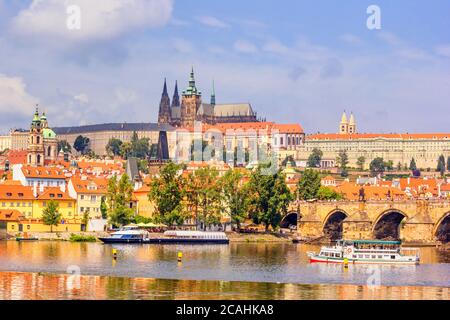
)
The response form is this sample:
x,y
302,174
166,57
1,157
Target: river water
x,y
272,269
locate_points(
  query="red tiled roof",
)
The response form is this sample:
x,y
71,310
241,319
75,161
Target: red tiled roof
x,y
54,193
43,172
10,215
15,192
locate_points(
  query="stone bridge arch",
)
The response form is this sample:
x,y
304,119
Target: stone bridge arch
x,y
441,230
388,224
291,218
332,225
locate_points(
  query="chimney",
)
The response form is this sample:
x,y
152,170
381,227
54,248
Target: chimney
x,y
41,188
409,180
35,190
62,188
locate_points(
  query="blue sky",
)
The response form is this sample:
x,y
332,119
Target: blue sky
x,y
295,61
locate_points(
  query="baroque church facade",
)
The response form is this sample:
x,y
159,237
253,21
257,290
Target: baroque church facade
x,y
191,108
42,142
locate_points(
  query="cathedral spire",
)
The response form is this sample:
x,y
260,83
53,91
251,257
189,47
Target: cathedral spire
x,y
165,88
176,97
164,106
213,95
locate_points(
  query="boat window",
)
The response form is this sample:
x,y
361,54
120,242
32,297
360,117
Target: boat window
x,y
367,256
392,257
374,256
338,255
354,256
380,257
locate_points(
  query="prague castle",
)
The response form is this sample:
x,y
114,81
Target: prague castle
x,y
425,148
192,108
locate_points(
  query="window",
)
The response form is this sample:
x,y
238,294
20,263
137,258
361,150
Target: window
x,y
82,197
69,204
3,204
392,257
28,227
44,204
52,195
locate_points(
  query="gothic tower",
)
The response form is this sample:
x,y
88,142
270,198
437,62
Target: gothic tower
x,y
343,127
213,95
176,97
190,103
35,155
164,115
352,124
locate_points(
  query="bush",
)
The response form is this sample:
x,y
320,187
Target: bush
x,y
82,238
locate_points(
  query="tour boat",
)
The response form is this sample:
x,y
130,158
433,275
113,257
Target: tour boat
x,y
191,237
135,235
127,234
366,252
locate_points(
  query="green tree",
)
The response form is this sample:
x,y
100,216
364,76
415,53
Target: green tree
x,y
342,162
126,150
118,199
399,166
143,166
104,208
361,162
235,194
140,148
81,144
64,146
441,165
326,193
448,163
113,146
389,165
166,193
412,165
204,195
269,198
377,166
50,215
308,185
315,158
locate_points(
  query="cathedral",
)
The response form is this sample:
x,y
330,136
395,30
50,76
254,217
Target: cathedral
x,y
191,108
42,142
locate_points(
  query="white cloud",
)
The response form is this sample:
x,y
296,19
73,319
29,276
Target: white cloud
x,y
14,97
182,45
350,38
275,47
443,50
82,98
245,46
99,19
212,22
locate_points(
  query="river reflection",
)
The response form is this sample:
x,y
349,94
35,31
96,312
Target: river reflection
x,y
33,286
284,263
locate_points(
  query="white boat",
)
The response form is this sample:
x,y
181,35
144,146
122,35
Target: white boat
x,y
366,252
127,234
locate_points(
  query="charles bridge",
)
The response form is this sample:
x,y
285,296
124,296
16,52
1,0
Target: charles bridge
x,y
418,221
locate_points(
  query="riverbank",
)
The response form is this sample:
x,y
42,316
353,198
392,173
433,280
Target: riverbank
x,y
45,286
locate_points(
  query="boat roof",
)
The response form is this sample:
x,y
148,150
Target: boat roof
x,y
374,241
186,233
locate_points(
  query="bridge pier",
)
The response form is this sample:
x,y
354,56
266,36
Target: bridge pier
x,y
357,230
417,232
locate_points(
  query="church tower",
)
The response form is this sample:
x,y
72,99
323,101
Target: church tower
x,y
352,124
35,155
176,97
213,95
343,127
190,102
164,115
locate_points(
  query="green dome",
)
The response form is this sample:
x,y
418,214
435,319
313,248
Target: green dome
x,y
49,133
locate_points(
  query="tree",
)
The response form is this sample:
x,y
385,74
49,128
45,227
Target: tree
x,y
269,198
140,148
389,165
412,165
342,162
377,166
308,185
64,146
326,193
441,165
51,216
104,208
166,192
81,144
315,158
143,166
448,163
119,199
204,195
235,194
113,146
360,162
126,150
399,166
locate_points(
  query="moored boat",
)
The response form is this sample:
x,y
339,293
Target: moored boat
x,y
366,252
126,235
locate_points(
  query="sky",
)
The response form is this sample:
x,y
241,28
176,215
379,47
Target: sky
x,y
295,61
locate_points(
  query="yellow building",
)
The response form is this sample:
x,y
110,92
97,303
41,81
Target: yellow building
x,y
144,207
88,192
31,204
